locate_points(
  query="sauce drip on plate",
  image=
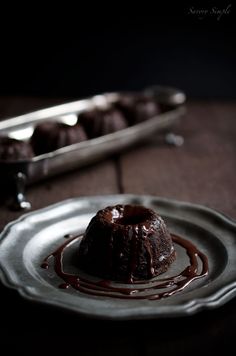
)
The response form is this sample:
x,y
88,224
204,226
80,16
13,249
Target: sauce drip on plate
x,y
151,289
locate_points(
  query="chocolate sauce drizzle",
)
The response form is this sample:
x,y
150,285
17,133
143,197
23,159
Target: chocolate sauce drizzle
x,y
152,289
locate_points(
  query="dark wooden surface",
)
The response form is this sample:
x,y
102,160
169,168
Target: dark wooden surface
x,y
202,171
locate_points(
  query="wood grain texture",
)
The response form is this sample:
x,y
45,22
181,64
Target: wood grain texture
x,y
202,171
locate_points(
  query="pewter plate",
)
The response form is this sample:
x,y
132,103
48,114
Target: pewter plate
x,y
25,242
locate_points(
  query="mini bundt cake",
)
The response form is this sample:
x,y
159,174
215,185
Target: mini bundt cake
x,y
126,243
14,150
137,108
99,122
50,136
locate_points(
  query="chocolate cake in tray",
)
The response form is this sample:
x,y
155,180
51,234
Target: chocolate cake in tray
x,y
47,142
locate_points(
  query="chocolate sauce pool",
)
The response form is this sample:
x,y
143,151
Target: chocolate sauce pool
x,y
150,289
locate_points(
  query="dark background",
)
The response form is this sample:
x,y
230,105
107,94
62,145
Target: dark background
x,y
81,52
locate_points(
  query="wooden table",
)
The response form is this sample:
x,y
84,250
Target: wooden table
x,y
202,171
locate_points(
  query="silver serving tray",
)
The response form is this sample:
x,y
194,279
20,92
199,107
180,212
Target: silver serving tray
x,y
25,242
83,153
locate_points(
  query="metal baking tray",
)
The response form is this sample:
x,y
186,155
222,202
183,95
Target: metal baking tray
x,y
24,172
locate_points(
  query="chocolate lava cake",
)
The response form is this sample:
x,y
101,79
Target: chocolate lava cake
x,y
99,122
14,150
126,243
137,108
50,136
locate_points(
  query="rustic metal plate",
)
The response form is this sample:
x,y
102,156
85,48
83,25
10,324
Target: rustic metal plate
x,y
25,242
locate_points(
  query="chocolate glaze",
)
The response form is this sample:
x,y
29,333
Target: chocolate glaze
x,y
49,136
151,289
126,243
99,122
137,108
14,150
